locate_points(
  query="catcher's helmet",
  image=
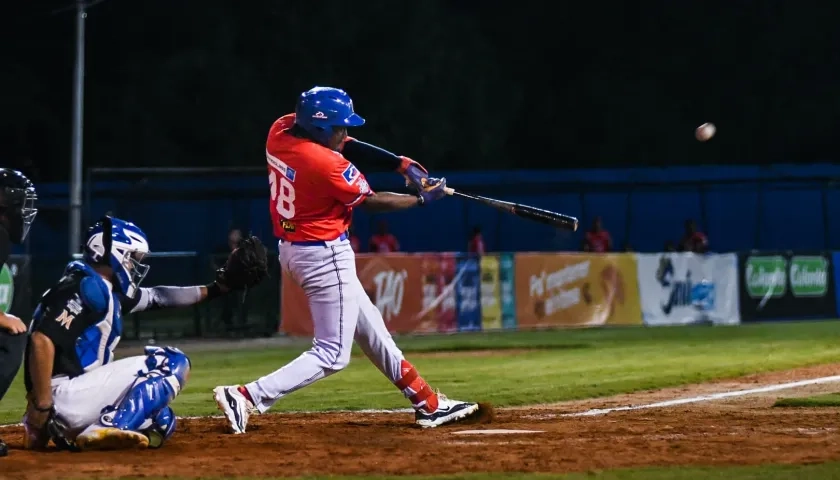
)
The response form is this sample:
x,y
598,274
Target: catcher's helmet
x,y
17,203
122,246
320,109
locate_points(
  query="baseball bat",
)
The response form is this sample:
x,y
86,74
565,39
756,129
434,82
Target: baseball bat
x,y
554,219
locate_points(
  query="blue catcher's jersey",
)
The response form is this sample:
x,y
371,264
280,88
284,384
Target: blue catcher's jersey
x,y
83,318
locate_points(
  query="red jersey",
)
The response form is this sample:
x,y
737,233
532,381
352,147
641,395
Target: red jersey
x,y
476,245
599,241
696,242
313,188
384,243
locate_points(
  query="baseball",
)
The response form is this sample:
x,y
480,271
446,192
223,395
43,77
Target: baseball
x,y
705,131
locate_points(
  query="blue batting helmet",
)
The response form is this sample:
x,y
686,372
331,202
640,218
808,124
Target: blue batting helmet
x,y
320,109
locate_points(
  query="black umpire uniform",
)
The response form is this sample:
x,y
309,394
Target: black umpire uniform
x,y
17,212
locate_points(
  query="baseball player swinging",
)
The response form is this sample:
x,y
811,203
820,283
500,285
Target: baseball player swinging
x,y
314,189
78,396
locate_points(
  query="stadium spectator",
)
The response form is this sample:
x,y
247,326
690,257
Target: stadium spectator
x,y
476,242
597,238
383,242
228,303
233,238
693,240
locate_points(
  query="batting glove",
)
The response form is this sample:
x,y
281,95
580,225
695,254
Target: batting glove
x,y
413,172
432,189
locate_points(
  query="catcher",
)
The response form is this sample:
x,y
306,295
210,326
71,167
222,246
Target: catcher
x,y
78,395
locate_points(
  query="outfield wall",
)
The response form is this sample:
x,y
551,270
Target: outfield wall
x,y
454,292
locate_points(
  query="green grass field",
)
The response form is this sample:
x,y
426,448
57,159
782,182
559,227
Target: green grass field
x,y
509,369
816,401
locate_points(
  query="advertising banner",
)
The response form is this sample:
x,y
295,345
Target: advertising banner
x,y
468,293
507,291
439,291
787,285
688,288
416,293
576,289
491,294
835,258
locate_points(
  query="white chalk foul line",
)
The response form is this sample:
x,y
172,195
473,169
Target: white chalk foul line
x,y
706,398
302,412
588,413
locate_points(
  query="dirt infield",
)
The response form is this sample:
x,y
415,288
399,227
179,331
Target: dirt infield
x,y
746,430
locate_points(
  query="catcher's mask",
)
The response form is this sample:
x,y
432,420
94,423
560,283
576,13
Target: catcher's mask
x,y
17,204
122,246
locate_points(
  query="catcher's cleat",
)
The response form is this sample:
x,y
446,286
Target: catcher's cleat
x,y
235,406
109,438
448,411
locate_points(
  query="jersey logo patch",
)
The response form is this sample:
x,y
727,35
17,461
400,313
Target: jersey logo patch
x,y
65,319
350,174
364,188
280,166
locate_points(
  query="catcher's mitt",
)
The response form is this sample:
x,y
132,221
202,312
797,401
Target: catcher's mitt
x,y
245,267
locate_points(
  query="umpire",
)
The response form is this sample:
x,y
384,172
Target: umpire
x,y
17,212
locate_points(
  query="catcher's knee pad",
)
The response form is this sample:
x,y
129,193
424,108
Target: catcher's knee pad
x,y
168,370
160,427
168,361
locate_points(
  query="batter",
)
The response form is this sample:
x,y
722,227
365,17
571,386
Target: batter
x,y
314,189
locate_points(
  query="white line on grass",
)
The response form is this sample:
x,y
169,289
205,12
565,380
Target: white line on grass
x,y
706,398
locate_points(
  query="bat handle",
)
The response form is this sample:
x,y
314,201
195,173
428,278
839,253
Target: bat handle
x,y
448,190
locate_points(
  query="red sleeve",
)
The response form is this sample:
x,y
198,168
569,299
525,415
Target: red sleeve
x,y
286,121
346,183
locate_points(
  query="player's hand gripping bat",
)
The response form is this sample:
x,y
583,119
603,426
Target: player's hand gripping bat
x,y
554,219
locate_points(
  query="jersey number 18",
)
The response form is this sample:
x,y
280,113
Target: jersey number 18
x,y
283,195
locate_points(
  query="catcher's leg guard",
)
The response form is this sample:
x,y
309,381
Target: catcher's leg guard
x,y
144,406
168,372
160,427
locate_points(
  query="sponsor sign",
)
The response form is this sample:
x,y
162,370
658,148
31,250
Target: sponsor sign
x,y
787,285
576,289
491,293
688,288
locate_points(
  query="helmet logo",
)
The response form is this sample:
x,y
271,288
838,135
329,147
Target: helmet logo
x,y
319,115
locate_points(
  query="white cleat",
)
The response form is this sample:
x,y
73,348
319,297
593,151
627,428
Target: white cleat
x,y
448,411
109,438
235,406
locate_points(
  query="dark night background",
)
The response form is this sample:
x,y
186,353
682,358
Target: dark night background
x,y
456,85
